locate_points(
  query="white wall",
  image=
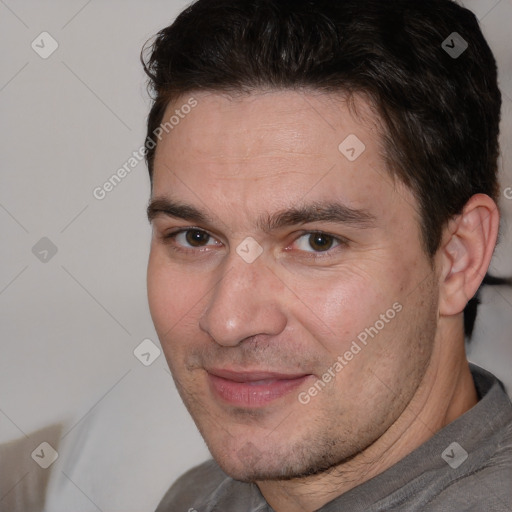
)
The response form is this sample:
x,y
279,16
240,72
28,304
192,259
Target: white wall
x,y
69,325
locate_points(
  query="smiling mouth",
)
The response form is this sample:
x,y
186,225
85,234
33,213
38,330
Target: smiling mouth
x,y
252,389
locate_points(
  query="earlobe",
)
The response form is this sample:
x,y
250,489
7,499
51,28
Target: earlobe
x,y
466,253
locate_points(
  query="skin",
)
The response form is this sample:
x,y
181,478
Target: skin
x,y
296,308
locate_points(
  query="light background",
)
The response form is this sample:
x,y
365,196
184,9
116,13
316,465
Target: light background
x,y
69,326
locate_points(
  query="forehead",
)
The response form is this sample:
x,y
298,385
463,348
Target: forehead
x,y
272,149
264,123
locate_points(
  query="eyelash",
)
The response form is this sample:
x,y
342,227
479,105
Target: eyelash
x,y
170,239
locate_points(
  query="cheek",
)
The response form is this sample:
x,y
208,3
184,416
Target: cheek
x,y
343,304
174,300
173,295
346,306
159,291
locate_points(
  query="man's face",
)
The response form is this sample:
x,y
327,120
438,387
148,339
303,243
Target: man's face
x,y
253,328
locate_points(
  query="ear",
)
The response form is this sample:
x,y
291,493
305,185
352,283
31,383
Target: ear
x,y
466,251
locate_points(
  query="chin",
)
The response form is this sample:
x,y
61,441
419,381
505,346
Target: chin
x,y
248,464
262,471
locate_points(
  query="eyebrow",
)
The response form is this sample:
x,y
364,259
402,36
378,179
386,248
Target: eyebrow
x,y
164,206
318,212
308,213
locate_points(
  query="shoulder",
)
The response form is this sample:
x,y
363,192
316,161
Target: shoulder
x,y
193,488
487,483
488,489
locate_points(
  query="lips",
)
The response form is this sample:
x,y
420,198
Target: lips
x,y
252,388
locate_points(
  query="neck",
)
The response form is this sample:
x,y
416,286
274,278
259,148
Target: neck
x,y
446,392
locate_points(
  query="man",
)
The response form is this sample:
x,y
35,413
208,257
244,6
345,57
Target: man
x,y
323,208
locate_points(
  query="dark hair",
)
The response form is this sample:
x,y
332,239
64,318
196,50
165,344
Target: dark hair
x,y
440,111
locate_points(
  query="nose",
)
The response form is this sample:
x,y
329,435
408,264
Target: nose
x,y
244,303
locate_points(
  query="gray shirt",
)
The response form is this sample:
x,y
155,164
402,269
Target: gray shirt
x,y
465,467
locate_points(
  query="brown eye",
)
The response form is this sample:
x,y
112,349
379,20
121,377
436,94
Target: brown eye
x,y
320,241
196,237
191,241
317,242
